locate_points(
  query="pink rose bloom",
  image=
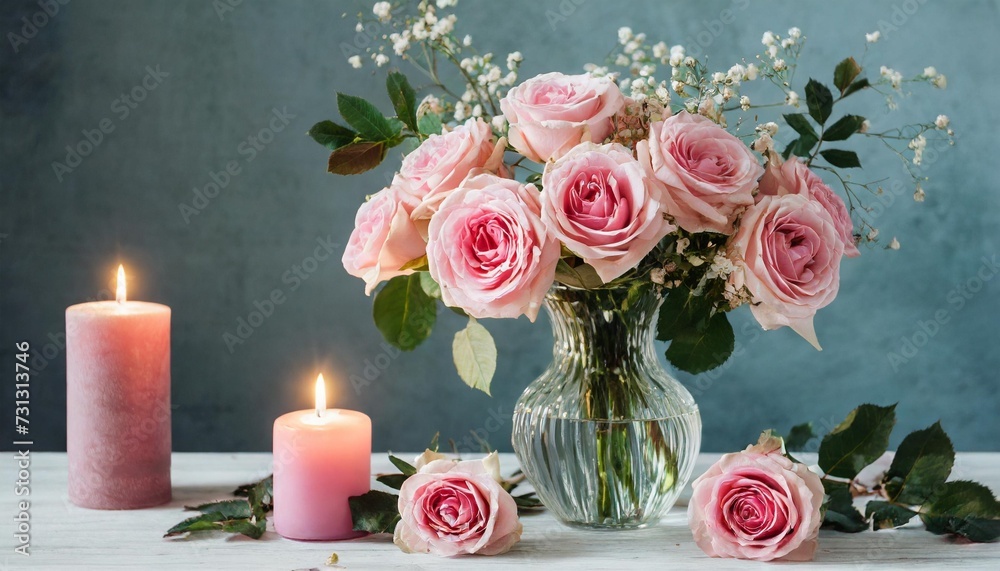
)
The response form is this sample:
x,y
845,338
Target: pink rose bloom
x,y
709,174
384,239
551,113
436,168
489,250
757,504
787,253
600,203
794,177
452,508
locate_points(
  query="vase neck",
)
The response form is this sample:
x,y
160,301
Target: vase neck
x,y
603,330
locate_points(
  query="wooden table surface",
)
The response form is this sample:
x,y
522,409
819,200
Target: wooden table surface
x,y
64,536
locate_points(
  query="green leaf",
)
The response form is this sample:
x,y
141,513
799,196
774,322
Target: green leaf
x,y
374,511
402,465
839,512
404,313
700,351
857,441
887,516
581,276
356,158
820,101
251,529
801,125
366,118
528,502
963,508
801,147
799,436
844,74
261,497
843,128
228,508
922,463
858,85
475,356
429,124
394,481
430,286
404,99
332,135
416,264
215,521
841,158
682,311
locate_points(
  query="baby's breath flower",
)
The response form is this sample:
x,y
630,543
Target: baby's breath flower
x,y
355,61
787,43
678,87
894,77
763,144
659,50
380,59
657,275
795,33
624,35
751,73
918,195
744,103
771,128
873,37
382,11
917,145
942,122
872,234
779,65
930,71
499,123
865,125
792,99
894,245
769,39
359,27
940,81
467,40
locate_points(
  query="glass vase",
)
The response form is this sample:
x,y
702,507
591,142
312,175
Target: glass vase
x,y
605,435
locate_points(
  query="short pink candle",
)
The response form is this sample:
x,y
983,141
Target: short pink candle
x,y
118,403
321,458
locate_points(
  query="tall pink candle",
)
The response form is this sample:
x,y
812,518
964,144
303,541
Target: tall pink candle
x,y
321,458
118,403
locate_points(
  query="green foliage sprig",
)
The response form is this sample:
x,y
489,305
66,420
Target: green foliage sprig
x,y
915,484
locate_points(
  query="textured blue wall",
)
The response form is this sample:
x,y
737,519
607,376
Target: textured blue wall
x,y
224,77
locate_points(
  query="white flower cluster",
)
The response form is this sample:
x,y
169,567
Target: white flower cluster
x,y
892,76
487,76
775,43
917,145
937,79
765,137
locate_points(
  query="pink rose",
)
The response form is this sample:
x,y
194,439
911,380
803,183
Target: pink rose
x,y
551,113
489,250
384,239
794,177
757,504
787,253
452,508
709,174
599,201
436,168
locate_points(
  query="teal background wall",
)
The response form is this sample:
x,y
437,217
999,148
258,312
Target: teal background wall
x,y
276,65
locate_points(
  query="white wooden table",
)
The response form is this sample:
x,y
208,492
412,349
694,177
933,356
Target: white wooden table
x,y
64,536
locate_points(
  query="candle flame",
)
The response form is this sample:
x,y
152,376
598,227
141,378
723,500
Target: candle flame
x,y
120,293
320,395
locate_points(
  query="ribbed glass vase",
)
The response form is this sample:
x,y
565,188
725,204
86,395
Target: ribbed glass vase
x,y
605,435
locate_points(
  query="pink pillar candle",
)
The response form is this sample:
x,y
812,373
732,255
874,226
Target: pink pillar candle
x,y
321,458
118,404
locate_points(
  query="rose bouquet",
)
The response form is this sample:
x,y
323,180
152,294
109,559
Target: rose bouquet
x,y
607,180
625,204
